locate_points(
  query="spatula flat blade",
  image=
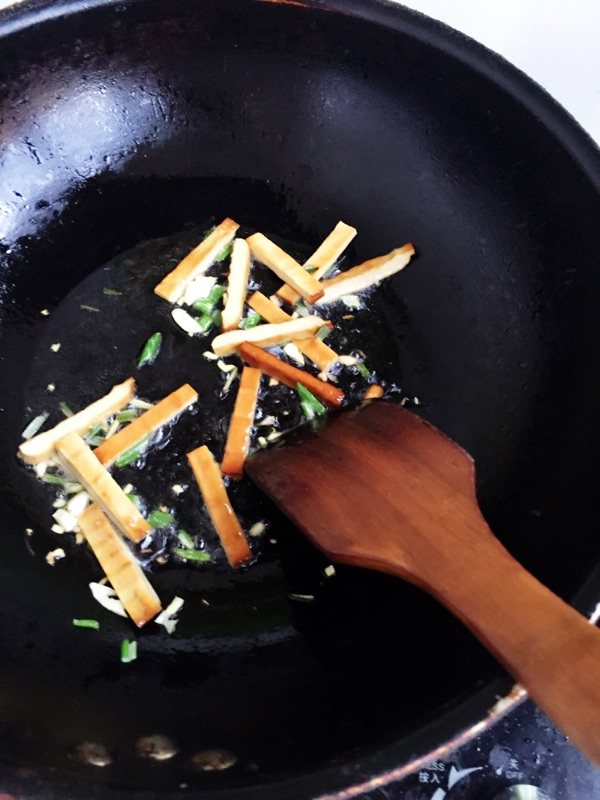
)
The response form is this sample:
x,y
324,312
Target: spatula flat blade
x,y
381,488
373,484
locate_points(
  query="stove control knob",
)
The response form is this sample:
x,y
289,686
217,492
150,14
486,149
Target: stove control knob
x,y
523,792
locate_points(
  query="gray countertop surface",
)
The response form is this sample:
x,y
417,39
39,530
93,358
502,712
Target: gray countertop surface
x,y
556,42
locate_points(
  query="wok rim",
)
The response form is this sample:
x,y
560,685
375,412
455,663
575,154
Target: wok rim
x,y
499,696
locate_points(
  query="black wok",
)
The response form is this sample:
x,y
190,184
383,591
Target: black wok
x,y
131,124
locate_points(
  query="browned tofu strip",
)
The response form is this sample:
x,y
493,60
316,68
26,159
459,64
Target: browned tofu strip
x,y
41,447
240,425
146,424
120,567
197,262
209,479
237,287
319,353
82,464
323,258
285,373
285,267
225,344
366,274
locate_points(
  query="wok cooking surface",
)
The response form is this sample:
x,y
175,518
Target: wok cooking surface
x,y
133,123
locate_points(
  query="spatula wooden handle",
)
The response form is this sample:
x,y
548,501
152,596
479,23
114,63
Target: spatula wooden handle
x,y
552,650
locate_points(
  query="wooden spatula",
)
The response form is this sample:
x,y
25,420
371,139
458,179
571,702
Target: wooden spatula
x,y
381,488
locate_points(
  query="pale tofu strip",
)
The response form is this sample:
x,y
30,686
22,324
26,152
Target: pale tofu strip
x,y
240,425
210,482
366,274
237,287
319,353
197,262
41,447
77,458
285,267
146,424
323,259
120,567
268,335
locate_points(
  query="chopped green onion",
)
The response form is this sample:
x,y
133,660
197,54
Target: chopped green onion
x,y
205,322
302,309
94,441
135,500
34,426
207,233
307,410
311,269
54,479
362,368
97,430
127,415
216,293
128,651
185,539
84,307
225,253
191,555
323,333
68,412
160,519
209,316
111,292
131,455
150,350
329,271
143,404
251,321
204,306
231,376
309,403
87,623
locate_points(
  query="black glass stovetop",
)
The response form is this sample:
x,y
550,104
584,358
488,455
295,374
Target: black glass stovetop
x,y
522,757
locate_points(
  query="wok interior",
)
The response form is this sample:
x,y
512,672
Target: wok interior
x,y
122,126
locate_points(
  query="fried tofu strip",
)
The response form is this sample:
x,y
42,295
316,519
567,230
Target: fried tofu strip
x,y
209,479
197,262
319,353
120,567
285,267
366,274
237,287
41,447
146,424
291,376
240,427
322,259
373,392
268,335
77,458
